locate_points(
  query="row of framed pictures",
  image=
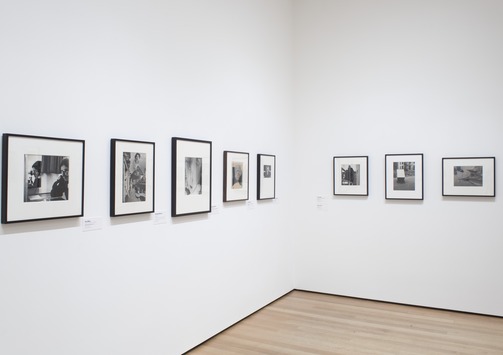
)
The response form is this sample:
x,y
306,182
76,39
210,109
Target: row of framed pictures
x,y
37,183
191,176
471,176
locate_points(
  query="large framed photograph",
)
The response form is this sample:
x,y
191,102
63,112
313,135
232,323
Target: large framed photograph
x,y
351,175
132,174
266,176
469,177
404,176
190,176
37,183
236,176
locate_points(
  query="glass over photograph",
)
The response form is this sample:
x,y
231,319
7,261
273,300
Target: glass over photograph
x,y
46,178
237,175
193,174
134,177
267,171
350,174
468,175
404,176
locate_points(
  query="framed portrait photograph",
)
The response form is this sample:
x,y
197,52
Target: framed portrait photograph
x,y
190,176
236,175
132,175
469,177
351,175
404,176
266,176
42,178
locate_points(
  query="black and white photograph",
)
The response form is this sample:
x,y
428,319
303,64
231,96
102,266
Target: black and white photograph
x,y
468,176
266,176
47,178
132,177
267,171
190,176
404,176
236,175
193,175
37,182
350,175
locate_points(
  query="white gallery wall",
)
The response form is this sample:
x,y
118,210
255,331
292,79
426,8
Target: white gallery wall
x,y
302,79
385,77
146,70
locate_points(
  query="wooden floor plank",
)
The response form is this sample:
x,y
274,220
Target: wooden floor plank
x,y
303,323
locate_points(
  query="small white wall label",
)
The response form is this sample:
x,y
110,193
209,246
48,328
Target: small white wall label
x,y
92,224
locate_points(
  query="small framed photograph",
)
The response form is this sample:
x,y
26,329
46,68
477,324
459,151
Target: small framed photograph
x,y
404,176
469,177
351,175
190,176
37,182
266,176
236,175
132,177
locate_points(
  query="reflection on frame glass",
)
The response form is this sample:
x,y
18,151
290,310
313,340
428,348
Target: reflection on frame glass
x,y
37,181
350,175
190,176
132,177
404,176
266,176
469,177
236,175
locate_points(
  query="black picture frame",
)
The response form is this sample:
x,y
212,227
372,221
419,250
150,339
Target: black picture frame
x,y
191,168
37,183
350,175
404,176
266,176
236,176
132,177
469,176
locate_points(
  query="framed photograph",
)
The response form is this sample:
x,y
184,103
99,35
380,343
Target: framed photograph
x,y
132,177
37,183
236,175
266,176
469,177
404,176
190,176
351,175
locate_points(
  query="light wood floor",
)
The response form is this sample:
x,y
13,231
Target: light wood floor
x,y
311,323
